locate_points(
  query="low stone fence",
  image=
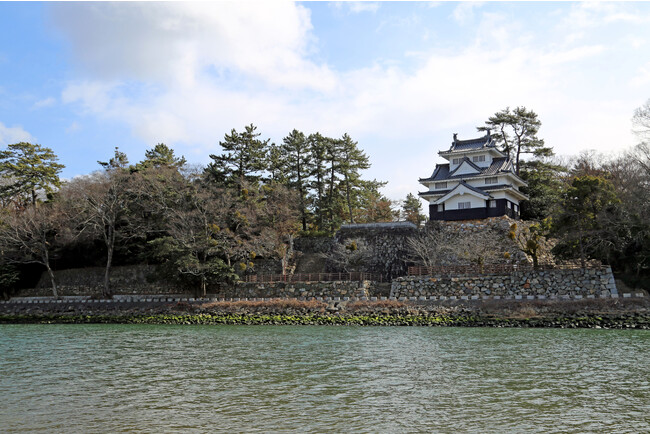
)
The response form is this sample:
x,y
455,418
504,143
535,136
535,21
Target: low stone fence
x,y
298,289
565,283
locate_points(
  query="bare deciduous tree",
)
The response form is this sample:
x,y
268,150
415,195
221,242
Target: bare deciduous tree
x,y
103,199
33,235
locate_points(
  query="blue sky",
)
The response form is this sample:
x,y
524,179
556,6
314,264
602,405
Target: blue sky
x,y
400,78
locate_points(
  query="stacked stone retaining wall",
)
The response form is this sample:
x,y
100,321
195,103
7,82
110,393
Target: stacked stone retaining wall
x,y
386,246
574,283
297,289
129,279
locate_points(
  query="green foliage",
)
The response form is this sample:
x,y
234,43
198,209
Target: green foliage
x,y
197,265
244,158
118,161
515,132
28,169
295,162
587,203
529,240
545,186
160,156
412,210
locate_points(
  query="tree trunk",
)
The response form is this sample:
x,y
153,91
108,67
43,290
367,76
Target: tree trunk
x,y
203,286
303,211
347,194
110,245
46,261
55,293
581,246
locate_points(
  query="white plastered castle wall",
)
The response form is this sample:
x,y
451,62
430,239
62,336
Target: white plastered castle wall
x,y
452,202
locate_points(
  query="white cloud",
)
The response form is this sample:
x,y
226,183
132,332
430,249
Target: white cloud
x,y
186,74
74,126
47,102
15,134
356,7
464,12
642,77
595,14
178,41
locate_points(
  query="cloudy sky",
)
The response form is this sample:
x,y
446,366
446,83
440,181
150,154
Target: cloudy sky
x,y
400,78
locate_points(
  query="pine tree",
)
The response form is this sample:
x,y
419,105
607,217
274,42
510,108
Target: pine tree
x,y
296,168
243,158
516,133
28,169
412,210
317,145
161,156
351,161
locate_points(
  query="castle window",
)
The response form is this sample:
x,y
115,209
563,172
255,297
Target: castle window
x,y
478,158
440,185
491,180
456,160
492,203
464,205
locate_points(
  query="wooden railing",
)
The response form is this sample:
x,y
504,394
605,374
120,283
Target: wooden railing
x,y
314,277
450,270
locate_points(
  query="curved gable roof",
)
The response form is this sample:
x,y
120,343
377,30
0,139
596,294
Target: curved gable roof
x,y
472,144
471,190
468,161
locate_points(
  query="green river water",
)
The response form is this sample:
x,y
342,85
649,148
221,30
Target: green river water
x,y
141,378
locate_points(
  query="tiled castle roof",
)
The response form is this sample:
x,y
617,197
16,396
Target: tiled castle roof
x,y
471,144
499,165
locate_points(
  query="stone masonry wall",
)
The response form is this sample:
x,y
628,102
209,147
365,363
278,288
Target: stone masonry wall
x,y
131,279
386,243
597,282
297,289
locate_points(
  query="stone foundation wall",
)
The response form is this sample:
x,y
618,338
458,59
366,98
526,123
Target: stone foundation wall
x,y
386,246
131,279
597,282
297,289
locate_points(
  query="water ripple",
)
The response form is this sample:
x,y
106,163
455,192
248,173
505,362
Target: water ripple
x,y
125,378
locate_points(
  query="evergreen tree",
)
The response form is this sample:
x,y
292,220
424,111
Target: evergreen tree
x,y
296,166
545,185
516,133
161,156
412,210
276,164
579,221
331,199
28,169
351,161
317,145
374,206
243,158
119,160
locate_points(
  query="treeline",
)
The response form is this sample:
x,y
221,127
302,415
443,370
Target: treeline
x,y
596,207
204,225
